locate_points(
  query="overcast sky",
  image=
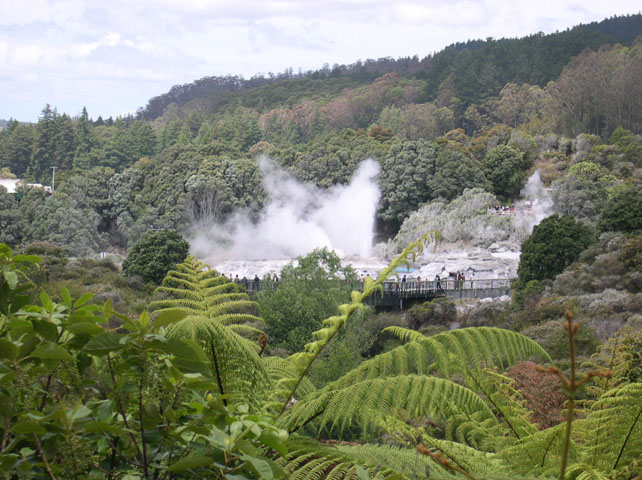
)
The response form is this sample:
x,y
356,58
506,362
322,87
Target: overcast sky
x,y
112,56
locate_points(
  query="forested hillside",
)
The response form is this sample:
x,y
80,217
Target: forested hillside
x,y
440,119
536,60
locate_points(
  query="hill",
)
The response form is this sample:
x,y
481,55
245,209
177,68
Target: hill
x,y
482,68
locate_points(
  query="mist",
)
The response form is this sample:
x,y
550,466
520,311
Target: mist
x,y
536,199
298,218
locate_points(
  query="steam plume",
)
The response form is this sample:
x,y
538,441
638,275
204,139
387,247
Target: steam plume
x,y
536,199
298,218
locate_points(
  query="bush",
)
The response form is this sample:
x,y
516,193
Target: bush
x,y
541,391
440,311
623,211
156,254
554,244
631,255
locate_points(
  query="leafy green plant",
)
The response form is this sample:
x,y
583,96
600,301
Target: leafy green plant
x,y
155,254
306,294
82,400
188,392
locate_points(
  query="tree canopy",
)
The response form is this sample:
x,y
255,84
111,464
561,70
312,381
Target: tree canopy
x,y
155,254
554,244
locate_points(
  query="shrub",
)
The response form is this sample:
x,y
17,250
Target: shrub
x,y
554,244
623,211
541,392
440,311
631,255
156,254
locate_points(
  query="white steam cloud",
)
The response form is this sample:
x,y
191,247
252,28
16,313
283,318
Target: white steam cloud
x,y
537,201
298,218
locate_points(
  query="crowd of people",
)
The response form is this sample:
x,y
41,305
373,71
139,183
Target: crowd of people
x,y
453,281
525,208
255,283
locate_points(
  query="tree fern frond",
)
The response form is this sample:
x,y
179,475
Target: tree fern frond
x,y
332,325
234,359
405,334
217,313
467,458
311,460
246,331
446,353
407,461
613,429
282,369
505,400
581,471
537,454
361,403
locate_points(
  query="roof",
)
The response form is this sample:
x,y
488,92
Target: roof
x,y
12,183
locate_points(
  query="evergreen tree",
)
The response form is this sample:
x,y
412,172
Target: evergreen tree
x,y
17,151
64,143
44,146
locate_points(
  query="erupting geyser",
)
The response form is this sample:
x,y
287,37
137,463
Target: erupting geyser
x,y
298,218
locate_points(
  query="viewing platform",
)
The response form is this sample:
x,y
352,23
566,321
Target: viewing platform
x,y
402,295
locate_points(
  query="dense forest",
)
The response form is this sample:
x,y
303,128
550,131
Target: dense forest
x,y
158,367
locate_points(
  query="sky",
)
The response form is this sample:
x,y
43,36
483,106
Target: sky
x,y
113,56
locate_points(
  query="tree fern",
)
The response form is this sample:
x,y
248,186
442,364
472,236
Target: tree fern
x,y
360,403
612,432
309,460
456,351
217,316
303,361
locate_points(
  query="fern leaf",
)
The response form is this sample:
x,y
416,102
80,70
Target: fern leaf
x,y
311,460
448,352
361,403
613,429
218,316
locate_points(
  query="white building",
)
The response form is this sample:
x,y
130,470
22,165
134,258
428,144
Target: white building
x,y
12,183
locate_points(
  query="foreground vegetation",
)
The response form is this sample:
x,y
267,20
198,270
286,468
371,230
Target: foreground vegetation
x,y
190,391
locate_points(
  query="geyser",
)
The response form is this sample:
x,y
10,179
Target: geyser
x,y
298,218
536,200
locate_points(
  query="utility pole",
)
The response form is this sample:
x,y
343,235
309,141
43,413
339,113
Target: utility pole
x,y
53,179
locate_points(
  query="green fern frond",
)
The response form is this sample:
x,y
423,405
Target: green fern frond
x,y
281,369
467,458
407,461
613,429
446,353
219,318
361,403
332,325
505,400
537,454
246,331
405,334
581,471
308,460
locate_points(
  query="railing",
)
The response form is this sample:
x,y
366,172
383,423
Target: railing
x,y
411,287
